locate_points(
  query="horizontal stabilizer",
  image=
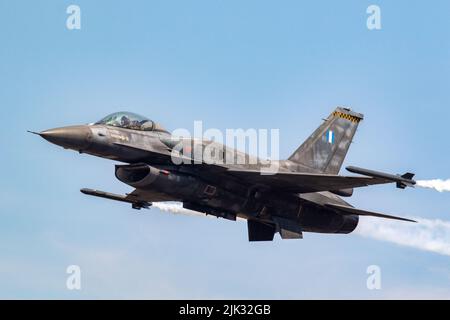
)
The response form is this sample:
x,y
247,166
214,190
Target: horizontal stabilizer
x,y
350,210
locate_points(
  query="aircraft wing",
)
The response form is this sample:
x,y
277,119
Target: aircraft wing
x,y
296,182
300,182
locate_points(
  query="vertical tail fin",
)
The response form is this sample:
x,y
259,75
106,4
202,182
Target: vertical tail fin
x,y
327,147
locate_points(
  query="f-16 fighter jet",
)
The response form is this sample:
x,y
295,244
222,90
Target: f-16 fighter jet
x,y
303,194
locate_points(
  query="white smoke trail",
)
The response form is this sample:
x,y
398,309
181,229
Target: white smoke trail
x,y
429,235
436,184
176,208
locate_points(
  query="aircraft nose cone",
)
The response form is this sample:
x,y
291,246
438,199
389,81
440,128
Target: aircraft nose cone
x,y
73,137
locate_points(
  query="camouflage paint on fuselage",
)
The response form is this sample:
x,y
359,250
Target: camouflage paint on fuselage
x,y
301,195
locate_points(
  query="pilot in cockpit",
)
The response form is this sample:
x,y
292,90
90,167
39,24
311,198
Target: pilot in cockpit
x,y
125,122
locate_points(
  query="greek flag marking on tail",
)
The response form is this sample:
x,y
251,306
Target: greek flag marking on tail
x,y
330,136
325,149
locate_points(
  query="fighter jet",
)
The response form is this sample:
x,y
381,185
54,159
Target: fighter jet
x,y
304,194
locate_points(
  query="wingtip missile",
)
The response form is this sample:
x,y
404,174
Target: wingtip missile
x,y
402,181
117,197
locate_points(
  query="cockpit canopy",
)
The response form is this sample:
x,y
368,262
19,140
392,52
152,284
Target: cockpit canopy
x,y
131,121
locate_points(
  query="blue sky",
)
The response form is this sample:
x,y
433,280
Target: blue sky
x,y
231,64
